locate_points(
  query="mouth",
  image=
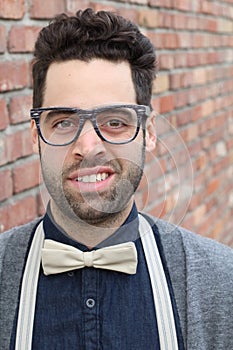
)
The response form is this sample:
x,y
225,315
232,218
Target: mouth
x,y
93,178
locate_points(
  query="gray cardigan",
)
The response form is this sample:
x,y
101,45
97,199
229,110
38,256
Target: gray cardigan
x,y
201,272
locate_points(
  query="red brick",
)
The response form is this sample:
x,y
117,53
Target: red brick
x,y
161,3
200,162
180,98
74,5
161,84
140,2
22,38
221,164
18,145
165,20
199,213
179,80
195,95
26,176
211,203
13,75
127,12
180,60
211,25
38,9
12,9
196,199
27,148
207,108
13,146
197,41
184,40
6,188
170,40
149,18
19,109
158,210
166,103
166,61
181,118
4,215
195,147
179,20
192,23
195,113
191,132
19,212
4,121
3,150
157,193
183,5
2,38
97,6
161,149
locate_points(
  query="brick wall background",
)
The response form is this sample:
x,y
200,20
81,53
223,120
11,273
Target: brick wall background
x,y
189,178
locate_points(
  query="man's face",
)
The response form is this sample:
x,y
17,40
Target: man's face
x,y
91,179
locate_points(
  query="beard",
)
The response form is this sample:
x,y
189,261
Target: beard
x,y
94,207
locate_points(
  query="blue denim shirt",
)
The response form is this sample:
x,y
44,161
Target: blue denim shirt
x,y
95,309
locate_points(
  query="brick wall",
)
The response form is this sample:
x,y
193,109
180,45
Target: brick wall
x,y
188,179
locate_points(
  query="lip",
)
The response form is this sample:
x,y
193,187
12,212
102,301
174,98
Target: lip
x,y
90,171
98,186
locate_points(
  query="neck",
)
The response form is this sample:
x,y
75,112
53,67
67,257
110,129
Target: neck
x,y
89,234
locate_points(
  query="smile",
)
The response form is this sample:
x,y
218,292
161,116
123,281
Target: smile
x,y
92,178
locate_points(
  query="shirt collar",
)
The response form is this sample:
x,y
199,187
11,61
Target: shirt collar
x,y
127,232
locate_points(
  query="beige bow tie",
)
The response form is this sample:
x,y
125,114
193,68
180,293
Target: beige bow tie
x,y
58,257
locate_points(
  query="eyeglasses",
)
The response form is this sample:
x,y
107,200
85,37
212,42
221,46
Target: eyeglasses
x,y
115,124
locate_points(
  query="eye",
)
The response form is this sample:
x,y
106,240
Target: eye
x,y
114,124
64,124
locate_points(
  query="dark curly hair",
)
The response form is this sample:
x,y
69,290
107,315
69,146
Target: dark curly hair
x,y
90,35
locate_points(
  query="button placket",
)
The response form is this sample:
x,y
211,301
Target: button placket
x,y
70,273
90,303
90,282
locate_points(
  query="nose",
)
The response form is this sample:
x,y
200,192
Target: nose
x,y
88,142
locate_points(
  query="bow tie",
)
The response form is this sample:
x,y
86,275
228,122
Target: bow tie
x,y
58,257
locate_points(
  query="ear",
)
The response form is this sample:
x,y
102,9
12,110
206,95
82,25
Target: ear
x,y
34,135
151,133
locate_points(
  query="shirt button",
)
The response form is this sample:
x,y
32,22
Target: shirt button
x,y
90,303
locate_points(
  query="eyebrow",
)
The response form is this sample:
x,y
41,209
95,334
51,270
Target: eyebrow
x,y
53,112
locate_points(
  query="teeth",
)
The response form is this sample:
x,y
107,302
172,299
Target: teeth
x,y
104,176
93,177
99,177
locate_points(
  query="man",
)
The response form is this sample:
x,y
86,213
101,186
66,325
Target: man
x,y
93,273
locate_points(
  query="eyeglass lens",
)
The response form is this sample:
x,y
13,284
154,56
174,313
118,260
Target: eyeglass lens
x,y
115,125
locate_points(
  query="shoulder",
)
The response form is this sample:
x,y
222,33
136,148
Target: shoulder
x,y
201,254
19,230
16,237
192,243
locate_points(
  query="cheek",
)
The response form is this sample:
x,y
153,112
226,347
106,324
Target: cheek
x,y
54,158
131,152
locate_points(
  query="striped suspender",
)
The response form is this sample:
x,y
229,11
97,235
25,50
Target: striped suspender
x,y
28,292
162,302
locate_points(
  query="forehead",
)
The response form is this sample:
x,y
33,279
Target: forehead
x,y
88,84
